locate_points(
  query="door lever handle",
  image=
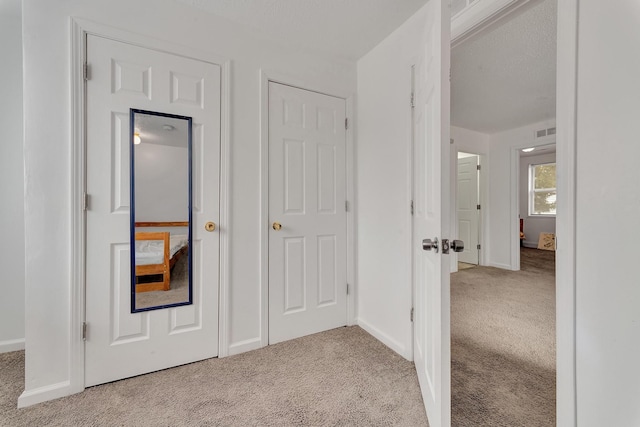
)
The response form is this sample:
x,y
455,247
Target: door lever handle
x,y
428,244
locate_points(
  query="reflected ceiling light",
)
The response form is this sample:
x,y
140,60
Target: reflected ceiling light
x,y
168,127
136,138
528,150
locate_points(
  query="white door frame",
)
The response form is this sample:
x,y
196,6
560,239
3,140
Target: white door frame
x,y
80,28
566,141
566,158
267,76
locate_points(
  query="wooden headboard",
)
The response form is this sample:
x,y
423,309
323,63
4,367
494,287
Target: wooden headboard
x,y
162,224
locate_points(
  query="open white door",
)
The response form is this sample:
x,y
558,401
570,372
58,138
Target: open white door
x,y
467,208
120,343
431,154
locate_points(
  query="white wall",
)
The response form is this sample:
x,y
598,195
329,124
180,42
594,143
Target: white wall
x,y
533,225
161,179
503,177
11,178
48,167
469,141
383,165
607,207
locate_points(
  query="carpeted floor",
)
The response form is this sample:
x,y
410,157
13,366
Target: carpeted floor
x,y
342,377
503,372
503,344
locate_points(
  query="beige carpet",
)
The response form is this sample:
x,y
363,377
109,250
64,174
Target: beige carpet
x,y
503,372
343,377
503,344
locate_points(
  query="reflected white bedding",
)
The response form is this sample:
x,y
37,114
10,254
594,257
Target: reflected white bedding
x,y
149,252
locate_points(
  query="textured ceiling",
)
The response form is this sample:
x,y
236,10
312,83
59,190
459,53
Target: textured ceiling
x,y
160,130
502,78
344,28
505,77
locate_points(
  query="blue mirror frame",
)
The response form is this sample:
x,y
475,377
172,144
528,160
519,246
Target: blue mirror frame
x,y
132,225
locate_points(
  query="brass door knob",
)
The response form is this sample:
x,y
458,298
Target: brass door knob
x,y
276,226
210,226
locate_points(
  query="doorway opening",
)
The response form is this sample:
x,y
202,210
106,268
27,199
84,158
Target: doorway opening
x,y
503,312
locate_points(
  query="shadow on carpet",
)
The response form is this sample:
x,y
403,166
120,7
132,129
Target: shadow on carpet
x,y
503,344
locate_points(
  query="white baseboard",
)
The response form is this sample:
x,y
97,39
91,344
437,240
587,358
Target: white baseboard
x,y
500,265
11,345
244,346
43,394
385,339
533,245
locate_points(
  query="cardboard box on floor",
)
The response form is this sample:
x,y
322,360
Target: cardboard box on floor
x,y
547,242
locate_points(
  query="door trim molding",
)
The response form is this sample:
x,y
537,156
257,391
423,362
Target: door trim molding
x,y
480,15
566,157
80,28
267,76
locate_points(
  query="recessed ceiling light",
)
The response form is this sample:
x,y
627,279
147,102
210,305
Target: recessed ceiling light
x,y
528,150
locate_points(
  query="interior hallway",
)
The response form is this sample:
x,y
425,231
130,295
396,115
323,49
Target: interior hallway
x,y
503,344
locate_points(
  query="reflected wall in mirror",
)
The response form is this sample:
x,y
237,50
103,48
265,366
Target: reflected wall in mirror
x,y
160,210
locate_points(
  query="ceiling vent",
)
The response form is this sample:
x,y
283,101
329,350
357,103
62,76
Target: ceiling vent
x,y
545,132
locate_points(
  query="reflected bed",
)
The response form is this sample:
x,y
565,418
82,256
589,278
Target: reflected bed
x,y
156,254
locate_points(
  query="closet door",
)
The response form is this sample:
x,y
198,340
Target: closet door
x,y
120,343
308,219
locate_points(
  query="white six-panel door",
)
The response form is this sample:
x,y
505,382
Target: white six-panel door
x,y
467,208
307,195
121,344
431,212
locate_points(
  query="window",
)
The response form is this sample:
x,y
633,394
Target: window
x,y
542,189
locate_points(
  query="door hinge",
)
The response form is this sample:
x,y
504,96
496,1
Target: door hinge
x,y
84,331
451,140
412,208
413,105
85,202
411,315
478,207
479,246
479,167
346,123
346,206
85,71
348,289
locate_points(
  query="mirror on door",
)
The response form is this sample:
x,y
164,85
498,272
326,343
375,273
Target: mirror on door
x,y
160,210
